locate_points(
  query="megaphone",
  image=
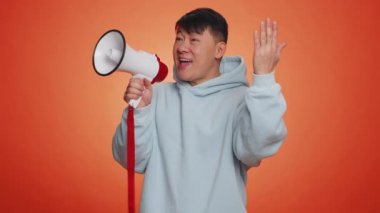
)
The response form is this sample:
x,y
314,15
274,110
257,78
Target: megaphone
x,y
113,53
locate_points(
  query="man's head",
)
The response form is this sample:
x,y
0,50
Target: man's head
x,y
198,20
201,38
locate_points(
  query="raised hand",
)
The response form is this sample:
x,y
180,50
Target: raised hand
x,y
266,49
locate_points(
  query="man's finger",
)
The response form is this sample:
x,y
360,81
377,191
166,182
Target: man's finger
x,y
147,84
275,33
262,33
256,39
129,97
137,83
135,91
280,47
269,31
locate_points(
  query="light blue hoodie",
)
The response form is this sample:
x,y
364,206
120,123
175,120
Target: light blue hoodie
x,y
195,144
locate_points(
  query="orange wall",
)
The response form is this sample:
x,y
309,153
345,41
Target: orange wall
x,y
58,116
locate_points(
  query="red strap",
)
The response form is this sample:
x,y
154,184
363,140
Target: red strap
x,y
131,159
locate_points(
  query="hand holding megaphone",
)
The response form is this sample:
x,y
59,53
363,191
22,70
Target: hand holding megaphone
x,y
113,53
139,90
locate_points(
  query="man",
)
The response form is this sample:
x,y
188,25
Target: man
x,y
196,138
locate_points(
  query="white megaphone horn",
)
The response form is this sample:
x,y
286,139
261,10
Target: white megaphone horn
x,y
113,53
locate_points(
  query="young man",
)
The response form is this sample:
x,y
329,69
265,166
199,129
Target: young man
x,y
196,138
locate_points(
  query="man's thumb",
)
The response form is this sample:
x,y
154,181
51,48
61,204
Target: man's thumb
x,y
147,84
280,47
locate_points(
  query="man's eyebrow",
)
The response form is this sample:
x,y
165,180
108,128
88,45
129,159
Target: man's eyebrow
x,y
182,32
196,33
179,32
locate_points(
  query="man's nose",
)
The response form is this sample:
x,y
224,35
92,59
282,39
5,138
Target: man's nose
x,y
183,46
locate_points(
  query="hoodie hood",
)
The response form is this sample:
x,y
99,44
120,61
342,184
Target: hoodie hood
x,y
232,74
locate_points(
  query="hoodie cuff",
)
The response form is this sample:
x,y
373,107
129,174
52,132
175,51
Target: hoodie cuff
x,y
264,79
143,110
141,115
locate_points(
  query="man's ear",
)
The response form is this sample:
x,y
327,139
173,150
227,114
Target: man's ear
x,y
220,49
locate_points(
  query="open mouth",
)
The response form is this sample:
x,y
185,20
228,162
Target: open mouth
x,y
184,61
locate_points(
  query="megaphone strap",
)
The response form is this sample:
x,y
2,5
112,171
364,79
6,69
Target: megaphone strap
x,y
131,159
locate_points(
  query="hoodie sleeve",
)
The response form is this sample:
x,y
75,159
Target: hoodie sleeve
x,y
260,129
143,118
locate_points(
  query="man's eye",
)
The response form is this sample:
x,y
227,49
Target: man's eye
x,y
178,39
194,39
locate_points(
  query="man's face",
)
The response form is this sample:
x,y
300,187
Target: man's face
x,y
196,56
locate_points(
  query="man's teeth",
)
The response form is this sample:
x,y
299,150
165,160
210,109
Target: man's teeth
x,y
184,60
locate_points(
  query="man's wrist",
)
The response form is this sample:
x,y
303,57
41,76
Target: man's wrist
x,y
260,80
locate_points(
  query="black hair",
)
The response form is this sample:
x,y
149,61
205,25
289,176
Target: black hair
x,y
198,20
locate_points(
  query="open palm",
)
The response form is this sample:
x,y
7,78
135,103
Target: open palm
x,y
267,51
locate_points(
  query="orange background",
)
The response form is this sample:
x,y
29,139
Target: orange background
x,y
58,116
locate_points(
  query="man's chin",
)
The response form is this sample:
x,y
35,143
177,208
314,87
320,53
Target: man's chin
x,y
182,75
